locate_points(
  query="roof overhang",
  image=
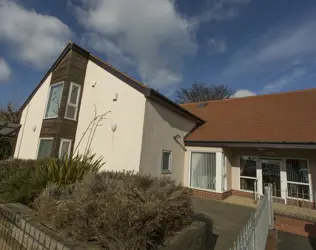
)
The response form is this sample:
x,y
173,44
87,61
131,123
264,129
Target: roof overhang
x,y
252,144
8,129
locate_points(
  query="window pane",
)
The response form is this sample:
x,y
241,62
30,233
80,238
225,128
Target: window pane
x,y
248,167
74,94
203,170
247,184
70,112
297,171
54,101
44,149
298,191
165,161
64,148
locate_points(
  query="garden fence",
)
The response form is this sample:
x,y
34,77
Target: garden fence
x,y
254,235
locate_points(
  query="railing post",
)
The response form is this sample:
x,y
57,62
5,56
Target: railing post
x,y
268,192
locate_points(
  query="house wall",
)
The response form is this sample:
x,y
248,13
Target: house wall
x,y
120,149
32,117
234,154
160,127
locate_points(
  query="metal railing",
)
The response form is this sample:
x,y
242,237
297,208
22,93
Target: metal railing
x,y
254,235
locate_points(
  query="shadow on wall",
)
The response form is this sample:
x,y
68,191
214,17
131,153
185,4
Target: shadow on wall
x,y
210,237
311,230
171,117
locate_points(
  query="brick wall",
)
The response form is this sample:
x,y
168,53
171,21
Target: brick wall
x,y
295,226
210,194
243,194
300,203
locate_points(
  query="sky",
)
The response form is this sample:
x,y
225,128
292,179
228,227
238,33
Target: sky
x,y
253,46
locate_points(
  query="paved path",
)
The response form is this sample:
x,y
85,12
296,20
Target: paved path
x,y
287,241
228,219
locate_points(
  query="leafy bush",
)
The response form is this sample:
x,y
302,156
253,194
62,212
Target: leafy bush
x,y
23,180
19,181
5,148
117,210
69,169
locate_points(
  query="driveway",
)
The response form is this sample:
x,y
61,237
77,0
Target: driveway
x,y
287,241
228,220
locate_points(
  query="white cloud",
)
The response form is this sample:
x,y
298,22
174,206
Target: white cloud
x,y
278,46
217,46
5,70
220,10
33,38
243,93
151,33
283,81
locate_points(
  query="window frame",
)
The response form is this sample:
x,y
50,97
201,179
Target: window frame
x,y
190,167
76,106
39,143
47,99
309,183
248,177
60,146
168,171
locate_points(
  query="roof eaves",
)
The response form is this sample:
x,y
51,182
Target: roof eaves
x,y
155,95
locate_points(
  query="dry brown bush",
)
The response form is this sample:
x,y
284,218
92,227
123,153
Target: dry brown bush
x,y
117,210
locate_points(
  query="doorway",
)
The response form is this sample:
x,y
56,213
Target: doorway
x,y
271,170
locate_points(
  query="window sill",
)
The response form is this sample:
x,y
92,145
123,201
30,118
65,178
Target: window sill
x,y
49,118
71,119
166,172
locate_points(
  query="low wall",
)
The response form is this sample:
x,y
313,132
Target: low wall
x,y
192,237
20,228
295,225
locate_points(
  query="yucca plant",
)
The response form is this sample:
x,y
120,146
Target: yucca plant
x,y
69,170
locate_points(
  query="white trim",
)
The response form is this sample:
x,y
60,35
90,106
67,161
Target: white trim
x,y
60,146
170,161
71,104
283,176
39,142
47,99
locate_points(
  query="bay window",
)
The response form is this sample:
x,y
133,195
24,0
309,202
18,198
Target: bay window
x,y
203,170
73,101
53,102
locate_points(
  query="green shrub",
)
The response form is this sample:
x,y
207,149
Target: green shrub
x,y
23,180
117,210
68,170
19,181
5,148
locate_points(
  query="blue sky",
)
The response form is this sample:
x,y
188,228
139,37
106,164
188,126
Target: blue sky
x,y
253,46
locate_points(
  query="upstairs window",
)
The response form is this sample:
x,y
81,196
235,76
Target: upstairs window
x,y
73,101
54,99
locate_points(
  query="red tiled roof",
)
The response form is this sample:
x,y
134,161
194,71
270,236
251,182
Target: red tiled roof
x,y
282,117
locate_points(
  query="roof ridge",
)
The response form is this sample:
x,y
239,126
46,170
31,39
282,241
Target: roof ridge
x,y
252,97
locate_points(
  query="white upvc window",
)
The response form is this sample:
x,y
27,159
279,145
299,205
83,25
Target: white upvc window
x,y
73,101
248,173
166,161
298,183
54,99
45,146
203,170
64,148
